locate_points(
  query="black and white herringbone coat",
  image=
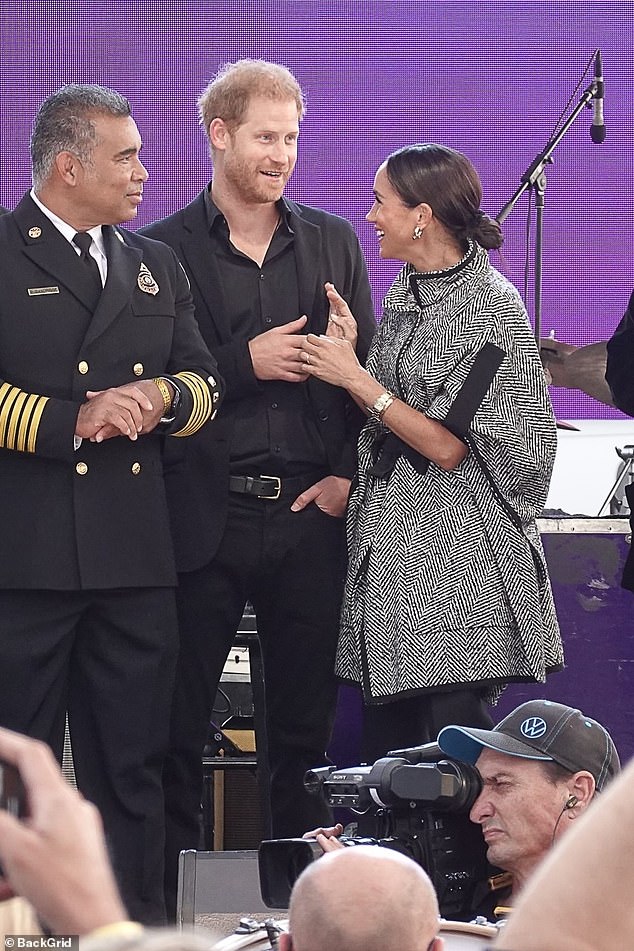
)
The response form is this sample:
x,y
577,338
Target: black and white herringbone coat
x,y
443,587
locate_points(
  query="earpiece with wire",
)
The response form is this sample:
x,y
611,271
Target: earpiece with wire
x,y
570,803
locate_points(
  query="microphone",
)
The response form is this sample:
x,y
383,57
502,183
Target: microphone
x,y
597,129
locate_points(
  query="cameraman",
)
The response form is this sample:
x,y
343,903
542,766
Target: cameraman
x,y
540,767
580,899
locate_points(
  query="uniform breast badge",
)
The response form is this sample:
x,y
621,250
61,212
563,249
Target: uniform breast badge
x,y
146,282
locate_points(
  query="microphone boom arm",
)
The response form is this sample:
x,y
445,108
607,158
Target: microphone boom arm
x,y
536,168
535,177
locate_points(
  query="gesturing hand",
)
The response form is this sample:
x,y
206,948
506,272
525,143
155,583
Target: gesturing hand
x,y
276,354
331,359
341,322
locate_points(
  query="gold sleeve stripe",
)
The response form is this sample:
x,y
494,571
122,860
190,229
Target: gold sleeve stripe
x,y
15,419
200,408
202,411
27,432
20,416
7,398
203,404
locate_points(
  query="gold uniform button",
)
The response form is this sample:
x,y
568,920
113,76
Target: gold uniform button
x,y
138,369
81,468
82,366
136,468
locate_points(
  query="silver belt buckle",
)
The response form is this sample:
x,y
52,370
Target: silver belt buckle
x,y
278,486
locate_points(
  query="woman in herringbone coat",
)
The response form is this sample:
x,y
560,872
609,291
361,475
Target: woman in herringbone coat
x,y
447,596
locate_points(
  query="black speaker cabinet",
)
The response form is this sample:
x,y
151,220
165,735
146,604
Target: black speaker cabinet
x,y
232,814
237,806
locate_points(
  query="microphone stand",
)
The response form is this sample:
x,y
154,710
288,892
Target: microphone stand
x,y
535,177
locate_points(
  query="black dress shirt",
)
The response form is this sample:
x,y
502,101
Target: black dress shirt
x,y
274,432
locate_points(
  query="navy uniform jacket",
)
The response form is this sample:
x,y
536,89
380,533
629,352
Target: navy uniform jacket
x,y
95,517
197,475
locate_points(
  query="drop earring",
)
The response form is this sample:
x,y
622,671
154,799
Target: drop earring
x,y
417,233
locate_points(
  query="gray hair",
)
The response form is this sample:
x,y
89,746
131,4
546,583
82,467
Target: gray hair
x,y
64,123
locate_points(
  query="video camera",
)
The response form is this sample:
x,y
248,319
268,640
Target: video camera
x,y
415,801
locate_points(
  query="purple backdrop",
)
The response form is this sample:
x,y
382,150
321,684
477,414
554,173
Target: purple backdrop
x,y
488,78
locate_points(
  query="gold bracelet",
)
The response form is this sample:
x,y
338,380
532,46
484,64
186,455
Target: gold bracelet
x,y
165,393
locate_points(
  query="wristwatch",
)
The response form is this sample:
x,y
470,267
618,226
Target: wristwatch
x,y
381,403
169,411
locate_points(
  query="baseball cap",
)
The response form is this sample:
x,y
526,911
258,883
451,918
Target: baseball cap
x,y
541,730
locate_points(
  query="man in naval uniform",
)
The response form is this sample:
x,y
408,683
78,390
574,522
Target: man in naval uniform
x,y
100,359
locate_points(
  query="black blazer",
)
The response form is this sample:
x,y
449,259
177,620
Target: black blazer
x,y
95,517
197,475
620,362
620,378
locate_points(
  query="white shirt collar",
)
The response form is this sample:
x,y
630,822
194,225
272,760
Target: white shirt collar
x,y
68,231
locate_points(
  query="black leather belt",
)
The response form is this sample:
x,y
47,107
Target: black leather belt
x,y
272,487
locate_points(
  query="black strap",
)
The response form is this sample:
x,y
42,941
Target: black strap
x,y
479,378
458,419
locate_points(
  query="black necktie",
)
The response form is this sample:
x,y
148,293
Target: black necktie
x,y
83,241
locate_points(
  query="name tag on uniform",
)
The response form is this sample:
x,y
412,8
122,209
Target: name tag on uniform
x,y
39,291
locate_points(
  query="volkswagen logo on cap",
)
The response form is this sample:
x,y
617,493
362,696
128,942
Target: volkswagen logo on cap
x,y
533,728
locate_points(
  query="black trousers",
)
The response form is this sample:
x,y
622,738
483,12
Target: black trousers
x,y
412,721
291,566
106,657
